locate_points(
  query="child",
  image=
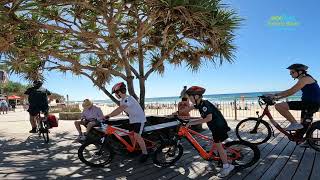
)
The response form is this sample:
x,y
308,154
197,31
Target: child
x,y
136,115
215,121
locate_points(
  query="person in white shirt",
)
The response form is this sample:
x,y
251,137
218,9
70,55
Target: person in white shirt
x,y
136,115
90,117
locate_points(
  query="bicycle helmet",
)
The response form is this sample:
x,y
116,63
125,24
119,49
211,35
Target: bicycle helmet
x,y
195,90
118,87
298,67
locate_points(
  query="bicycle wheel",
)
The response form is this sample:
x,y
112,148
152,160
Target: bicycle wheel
x,y
313,136
246,131
45,131
167,154
249,153
95,154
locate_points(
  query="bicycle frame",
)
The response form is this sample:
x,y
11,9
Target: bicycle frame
x,y
110,130
292,136
186,132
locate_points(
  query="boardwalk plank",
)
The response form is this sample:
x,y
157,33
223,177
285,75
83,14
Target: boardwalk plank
x,y
305,167
267,161
289,169
316,168
278,164
265,150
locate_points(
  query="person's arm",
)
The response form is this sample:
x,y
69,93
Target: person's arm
x,y
298,86
117,111
200,121
186,110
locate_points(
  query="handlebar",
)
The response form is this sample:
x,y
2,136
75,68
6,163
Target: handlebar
x,y
266,100
182,121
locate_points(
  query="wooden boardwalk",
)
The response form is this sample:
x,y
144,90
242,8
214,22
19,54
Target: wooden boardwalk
x,y
26,157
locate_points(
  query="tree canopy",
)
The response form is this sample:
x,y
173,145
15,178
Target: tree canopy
x,y
104,39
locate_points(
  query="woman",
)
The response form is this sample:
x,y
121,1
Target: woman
x,y
310,96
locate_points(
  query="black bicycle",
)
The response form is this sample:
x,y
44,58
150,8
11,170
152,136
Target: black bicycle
x,y
43,126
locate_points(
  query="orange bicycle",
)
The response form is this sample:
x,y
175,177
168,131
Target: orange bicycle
x,y
115,140
241,154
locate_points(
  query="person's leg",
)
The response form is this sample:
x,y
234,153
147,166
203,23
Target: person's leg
x,y
283,109
33,124
78,127
222,153
141,143
90,125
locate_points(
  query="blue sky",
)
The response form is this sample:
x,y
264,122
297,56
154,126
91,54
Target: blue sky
x,y
262,56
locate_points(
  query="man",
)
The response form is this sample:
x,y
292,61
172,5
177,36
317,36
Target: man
x,y
38,102
137,117
90,117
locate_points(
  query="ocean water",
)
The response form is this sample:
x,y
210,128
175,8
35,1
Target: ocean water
x,y
252,96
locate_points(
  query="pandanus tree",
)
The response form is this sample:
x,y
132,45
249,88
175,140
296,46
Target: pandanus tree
x,y
106,39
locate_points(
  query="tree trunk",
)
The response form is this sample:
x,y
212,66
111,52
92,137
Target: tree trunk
x,y
141,73
131,88
142,92
109,95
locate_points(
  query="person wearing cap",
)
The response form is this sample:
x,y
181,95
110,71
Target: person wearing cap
x,y
38,102
136,115
215,121
90,117
310,99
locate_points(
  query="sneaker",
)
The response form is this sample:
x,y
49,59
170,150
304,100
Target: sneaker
x,y
33,130
294,127
143,158
225,171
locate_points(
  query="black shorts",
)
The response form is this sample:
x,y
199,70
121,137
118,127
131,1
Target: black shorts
x,y
33,111
86,121
302,105
219,134
137,127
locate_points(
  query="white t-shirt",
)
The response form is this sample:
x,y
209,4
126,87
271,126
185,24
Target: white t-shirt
x,y
134,110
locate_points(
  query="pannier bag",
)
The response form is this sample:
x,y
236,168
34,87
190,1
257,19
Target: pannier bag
x,y
53,120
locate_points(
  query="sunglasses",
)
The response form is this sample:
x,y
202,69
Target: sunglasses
x,y
292,72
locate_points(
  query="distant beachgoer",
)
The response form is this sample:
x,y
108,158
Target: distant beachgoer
x,y
13,105
90,117
4,106
184,103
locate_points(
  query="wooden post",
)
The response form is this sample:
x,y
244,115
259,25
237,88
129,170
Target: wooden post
x,y
235,109
68,103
